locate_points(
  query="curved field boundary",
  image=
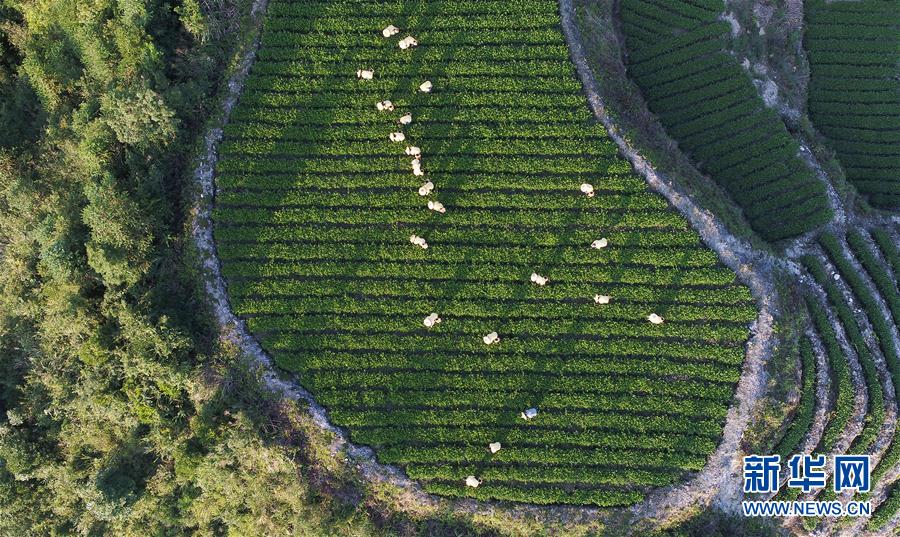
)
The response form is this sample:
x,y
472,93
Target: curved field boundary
x,y
823,397
858,303
612,423
890,470
851,399
874,370
812,348
677,56
736,255
881,518
803,425
719,481
235,330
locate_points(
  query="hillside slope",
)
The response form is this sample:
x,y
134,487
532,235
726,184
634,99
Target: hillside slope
x,y
316,210
677,54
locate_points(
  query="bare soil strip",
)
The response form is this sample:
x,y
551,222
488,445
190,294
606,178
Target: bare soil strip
x,y
719,482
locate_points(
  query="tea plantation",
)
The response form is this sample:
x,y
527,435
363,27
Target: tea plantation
x,y
320,228
854,90
708,104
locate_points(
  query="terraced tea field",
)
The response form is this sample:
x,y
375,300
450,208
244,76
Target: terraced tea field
x,y
321,229
708,104
854,296
854,90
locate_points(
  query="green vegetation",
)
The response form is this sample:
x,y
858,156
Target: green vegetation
x,y
889,250
717,524
805,413
890,458
20,114
879,274
854,90
708,104
888,508
881,326
315,209
841,386
120,412
113,397
876,411
889,293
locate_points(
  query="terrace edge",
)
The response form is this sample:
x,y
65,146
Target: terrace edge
x,y
719,481
742,259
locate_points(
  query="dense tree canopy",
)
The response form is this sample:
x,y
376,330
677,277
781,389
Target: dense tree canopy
x,y
106,427
121,412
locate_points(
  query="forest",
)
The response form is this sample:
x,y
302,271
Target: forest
x,y
616,373
121,413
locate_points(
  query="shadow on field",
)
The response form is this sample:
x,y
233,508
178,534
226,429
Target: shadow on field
x,y
279,133
320,110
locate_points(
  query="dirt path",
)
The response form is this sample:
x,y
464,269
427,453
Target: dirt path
x,y
822,407
828,527
868,331
879,494
860,403
719,482
853,358
839,220
881,488
883,309
823,396
747,263
234,329
891,529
